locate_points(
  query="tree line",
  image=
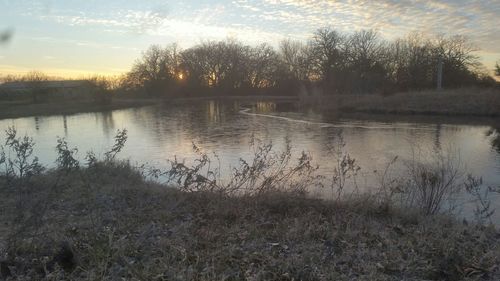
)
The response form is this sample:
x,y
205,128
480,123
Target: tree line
x,y
329,62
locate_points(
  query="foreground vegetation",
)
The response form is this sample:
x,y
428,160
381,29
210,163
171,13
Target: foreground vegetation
x,y
124,227
105,220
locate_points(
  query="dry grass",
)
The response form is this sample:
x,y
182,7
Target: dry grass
x,y
120,227
466,101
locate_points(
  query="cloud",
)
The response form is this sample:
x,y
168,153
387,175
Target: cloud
x,y
188,22
475,19
188,33
294,18
82,43
134,21
201,24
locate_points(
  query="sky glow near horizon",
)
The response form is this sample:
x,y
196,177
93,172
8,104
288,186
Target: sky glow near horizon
x,y
70,38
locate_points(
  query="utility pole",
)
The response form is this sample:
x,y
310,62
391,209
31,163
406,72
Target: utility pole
x,y
440,74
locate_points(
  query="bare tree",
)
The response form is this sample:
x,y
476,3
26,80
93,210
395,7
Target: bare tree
x,y
366,58
349,63
461,64
457,50
222,65
235,57
361,62
296,57
328,56
157,70
412,61
264,65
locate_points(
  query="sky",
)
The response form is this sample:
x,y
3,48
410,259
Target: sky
x,y
71,38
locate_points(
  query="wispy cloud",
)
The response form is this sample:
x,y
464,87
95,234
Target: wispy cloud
x,y
134,21
201,24
296,18
475,19
83,43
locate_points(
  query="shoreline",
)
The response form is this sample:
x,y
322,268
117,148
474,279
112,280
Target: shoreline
x,y
478,104
466,102
242,98
109,221
11,111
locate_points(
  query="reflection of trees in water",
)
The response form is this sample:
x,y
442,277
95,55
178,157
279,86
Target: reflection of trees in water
x,y
37,123
213,112
265,107
108,122
65,125
189,122
437,138
43,123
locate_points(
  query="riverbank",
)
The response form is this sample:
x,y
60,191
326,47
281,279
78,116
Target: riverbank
x,y
241,98
26,109
16,109
479,102
108,222
458,102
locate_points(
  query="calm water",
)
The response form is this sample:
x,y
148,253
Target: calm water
x,y
161,132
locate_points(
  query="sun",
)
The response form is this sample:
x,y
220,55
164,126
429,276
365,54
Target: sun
x,y
180,76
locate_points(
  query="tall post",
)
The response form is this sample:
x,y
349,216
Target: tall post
x,y
440,74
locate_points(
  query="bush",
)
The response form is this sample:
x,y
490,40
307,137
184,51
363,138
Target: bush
x,y
267,171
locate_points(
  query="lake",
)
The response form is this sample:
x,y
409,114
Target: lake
x,y
157,133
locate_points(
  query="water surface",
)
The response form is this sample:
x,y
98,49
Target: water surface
x,y
161,132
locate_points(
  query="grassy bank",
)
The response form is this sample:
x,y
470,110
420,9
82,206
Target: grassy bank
x,y
118,226
460,102
467,102
15,109
24,109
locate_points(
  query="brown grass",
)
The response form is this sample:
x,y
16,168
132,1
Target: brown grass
x,y
466,101
120,227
